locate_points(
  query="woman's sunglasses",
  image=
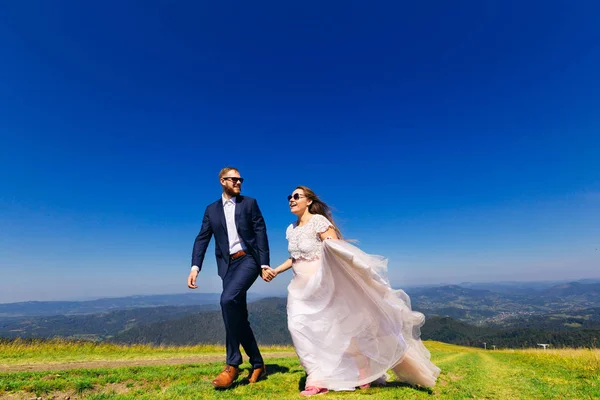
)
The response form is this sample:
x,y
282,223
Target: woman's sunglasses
x,y
295,196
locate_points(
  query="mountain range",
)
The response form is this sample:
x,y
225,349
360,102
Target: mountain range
x,y
38,308
469,314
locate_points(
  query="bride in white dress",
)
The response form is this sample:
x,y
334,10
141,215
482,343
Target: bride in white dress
x,y
347,324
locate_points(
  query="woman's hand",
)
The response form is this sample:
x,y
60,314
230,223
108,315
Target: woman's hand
x,y
268,274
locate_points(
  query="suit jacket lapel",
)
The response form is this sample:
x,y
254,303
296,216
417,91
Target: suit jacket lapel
x,y
221,214
238,211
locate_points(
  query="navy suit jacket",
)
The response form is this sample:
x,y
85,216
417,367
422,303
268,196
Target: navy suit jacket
x,y
250,227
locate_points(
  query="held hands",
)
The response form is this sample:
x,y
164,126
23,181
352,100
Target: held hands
x,y
268,274
192,280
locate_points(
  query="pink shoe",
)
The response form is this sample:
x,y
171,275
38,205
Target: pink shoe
x,y
365,386
312,390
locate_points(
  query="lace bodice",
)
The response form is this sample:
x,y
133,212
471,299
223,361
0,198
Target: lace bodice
x,y
304,242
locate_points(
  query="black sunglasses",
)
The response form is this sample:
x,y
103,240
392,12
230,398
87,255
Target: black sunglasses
x,y
295,196
234,179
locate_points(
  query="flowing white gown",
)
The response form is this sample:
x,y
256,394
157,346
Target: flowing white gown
x,y
347,324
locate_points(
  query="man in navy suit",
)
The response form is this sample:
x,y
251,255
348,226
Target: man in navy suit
x,y
242,251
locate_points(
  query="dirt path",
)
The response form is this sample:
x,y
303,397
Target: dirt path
x,y
503,380
61,366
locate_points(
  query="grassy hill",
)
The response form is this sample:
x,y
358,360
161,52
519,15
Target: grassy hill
x,y
59,369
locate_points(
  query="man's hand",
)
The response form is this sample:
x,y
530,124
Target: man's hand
x,y
192,280
268,274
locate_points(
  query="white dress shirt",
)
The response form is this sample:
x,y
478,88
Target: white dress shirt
x,y
235,241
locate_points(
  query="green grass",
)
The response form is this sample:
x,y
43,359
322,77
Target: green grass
x,y
466,374
58,350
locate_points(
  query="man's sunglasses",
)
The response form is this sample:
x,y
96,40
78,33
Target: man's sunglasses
x,y
295,196
234,179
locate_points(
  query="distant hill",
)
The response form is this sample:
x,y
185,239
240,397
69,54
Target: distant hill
x,y
457,332
574,289
587,318
269,322
568,313
97,326
39,308
471,302
520,287
268,318
482,306
451,292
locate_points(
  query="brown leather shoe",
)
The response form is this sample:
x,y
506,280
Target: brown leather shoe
x,y
226,378
257,374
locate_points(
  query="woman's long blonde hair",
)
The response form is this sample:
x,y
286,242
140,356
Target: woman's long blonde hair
x,y
319,207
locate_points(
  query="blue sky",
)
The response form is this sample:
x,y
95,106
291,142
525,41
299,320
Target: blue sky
x,y
462,141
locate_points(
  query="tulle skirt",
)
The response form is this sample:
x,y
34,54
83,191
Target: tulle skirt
x,y
349,326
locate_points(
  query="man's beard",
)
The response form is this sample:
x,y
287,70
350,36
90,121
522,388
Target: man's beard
x,y
231,192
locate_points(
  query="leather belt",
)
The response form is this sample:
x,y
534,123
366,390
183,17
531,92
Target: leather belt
x,y
237,255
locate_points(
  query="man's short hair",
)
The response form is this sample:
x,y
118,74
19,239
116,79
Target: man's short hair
x,y
226,170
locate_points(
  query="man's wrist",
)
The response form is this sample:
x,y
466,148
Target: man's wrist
x,y
195,268
264,266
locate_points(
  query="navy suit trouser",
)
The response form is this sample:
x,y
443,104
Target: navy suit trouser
x,y
241,274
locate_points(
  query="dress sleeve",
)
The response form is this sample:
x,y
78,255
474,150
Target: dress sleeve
x,y
322,223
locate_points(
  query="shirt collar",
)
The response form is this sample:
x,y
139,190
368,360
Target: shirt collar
x,y
225,200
